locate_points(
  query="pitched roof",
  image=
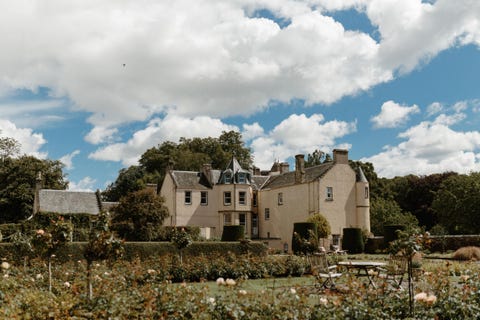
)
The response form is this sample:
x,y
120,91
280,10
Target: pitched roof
x,y
235,166
258,181
64,201
288,178
192,179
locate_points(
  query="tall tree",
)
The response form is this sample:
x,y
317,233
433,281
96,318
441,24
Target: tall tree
x,y
315,158
9,147
139,216
129,180
17,185
457,204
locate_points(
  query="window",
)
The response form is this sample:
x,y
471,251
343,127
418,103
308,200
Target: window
x,y
329,193
204,198
241,178
242,197
366,193
242,217
227,219
254,199
188,197
267,213
280,198
228,177
227,198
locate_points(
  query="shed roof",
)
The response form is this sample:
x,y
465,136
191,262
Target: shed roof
x,y
65,201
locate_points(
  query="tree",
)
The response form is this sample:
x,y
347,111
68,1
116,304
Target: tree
x,y
188,154
388,212
9,147
322,224
314,159
457,204
17,184
139,216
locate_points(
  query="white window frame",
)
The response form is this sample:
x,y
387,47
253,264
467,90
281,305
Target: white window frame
x,y
225,193
188,197
329,193
267,213
242,178
242,194
204,198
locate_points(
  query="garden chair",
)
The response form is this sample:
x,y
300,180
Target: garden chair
x,y
395,270
324,273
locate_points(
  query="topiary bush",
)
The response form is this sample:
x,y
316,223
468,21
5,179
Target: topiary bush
x,y
304,239
233,233
467,253
352,240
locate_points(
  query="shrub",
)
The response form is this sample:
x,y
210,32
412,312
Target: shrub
x,y
352,240
390,233
467,253
304,238
233,233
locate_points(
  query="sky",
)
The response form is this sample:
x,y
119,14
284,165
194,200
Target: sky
x,y
95,84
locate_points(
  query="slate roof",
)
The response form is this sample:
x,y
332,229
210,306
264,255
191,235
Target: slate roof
x,y
192,179
258,181
64,201
288,178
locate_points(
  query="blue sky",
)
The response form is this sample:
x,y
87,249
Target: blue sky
x,y
95,85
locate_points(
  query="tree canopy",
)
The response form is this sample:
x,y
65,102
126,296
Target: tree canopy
x,y
17,184
188,154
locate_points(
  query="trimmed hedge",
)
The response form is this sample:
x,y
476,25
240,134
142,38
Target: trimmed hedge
x,y
352,240
233,233
145,250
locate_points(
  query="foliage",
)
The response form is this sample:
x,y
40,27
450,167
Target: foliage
x,y
323,226
352,240
316,158
233,233
187,154
102,245
139,216
47,242
388,212
304,238
9,147
457,203
17,185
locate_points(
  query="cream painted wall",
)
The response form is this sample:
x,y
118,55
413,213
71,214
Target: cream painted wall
x,y
168,193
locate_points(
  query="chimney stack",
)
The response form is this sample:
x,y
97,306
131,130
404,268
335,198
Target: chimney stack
x,y
340,156
299,168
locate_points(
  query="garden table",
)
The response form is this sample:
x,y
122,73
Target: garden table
x,y
363,269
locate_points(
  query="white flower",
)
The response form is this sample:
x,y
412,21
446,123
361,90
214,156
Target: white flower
x,y
40,232
293,291
5,265
242,292
39,276
431,299
230,282
464,277
422,296
211,300
323,301
67,284
220,281
151,271
5,275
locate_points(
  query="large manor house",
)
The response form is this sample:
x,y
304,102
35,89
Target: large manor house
x,y
269,203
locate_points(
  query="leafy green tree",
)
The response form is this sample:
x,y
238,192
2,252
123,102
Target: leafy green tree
x,y
322,224
314,159
17,185
388,212
457,204
129,180
139,216
9,147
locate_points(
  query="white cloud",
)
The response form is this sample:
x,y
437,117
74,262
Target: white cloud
x,y
31,142
434,108
170,128
251,131
393,115
67,159
86,184
298,134
127,61
430,147
31,113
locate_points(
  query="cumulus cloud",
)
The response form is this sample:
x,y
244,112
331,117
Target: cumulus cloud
x,y
430,147
158,130
86,184
31,142
434,108
393,115
67,159
298,134
251,131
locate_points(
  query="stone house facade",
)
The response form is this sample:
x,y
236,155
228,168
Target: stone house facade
x,y
268,203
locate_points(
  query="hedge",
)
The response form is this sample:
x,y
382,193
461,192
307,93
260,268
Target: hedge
x,y
352,240
144,250
233,233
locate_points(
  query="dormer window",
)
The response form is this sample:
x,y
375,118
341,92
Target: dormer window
x,y
228,177
241,178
